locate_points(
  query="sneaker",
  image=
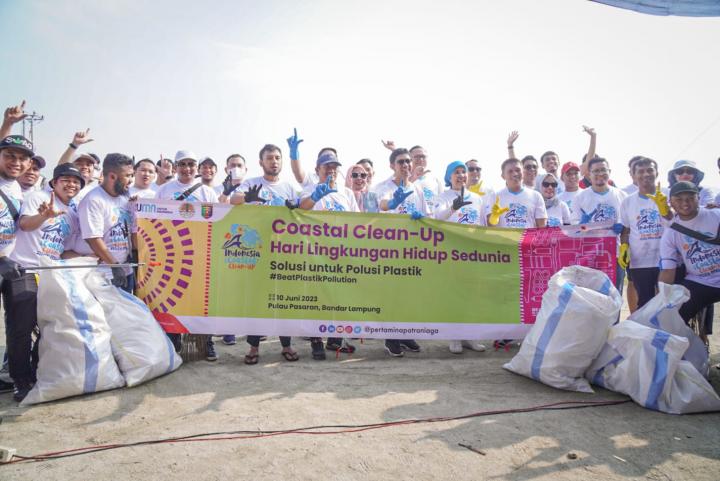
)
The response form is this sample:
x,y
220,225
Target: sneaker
x,y
229,340
393,348
318,350
409,345
21,390
456,347
6,386
474,346
502,344
211,355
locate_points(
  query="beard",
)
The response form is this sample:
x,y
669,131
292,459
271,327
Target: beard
x,y
120,188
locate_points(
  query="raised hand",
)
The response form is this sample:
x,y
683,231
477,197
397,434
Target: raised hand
x,y
388,144
512,137
496,211
460,201
253,194
586,218
15,114
81,137
321,190
661,201
589,130
293,144
228,186
399,197
47,209
624,257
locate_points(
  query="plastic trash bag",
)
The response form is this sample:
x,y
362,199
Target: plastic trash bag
x,y
646,364
141,348
571,328
661,312
75,353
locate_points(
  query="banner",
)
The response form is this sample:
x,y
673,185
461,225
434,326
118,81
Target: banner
x,y
221,269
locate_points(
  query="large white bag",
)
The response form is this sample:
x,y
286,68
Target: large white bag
x,y
661,312
75,353
645,363
577,311
140,346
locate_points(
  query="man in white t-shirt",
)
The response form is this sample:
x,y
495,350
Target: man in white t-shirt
x,y
632,187
430,184
516,206
698,248
47,222
186,187
643,215
165,173
15,154
29,180
236,170
145,174
571,180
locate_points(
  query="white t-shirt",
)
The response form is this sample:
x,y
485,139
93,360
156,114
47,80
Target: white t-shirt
x,y
524,207
707,196
603,206
148,193
640,214
8,226
702,260
473,213
174,189
630,189
52,237
274,193
415,202
341,201
107,217
83,192
569,199
558,215
431,188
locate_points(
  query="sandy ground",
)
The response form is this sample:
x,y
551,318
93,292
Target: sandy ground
x,y
611,443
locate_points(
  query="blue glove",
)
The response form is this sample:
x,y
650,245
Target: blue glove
x,y
617,228
585,217
293,143
416,215
399,197
321,190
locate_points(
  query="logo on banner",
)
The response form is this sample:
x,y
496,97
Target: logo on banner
x,y
241,247
340,329
186,210
206,211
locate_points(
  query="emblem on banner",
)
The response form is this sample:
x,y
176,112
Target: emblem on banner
x,y
186,210
206,211
241,247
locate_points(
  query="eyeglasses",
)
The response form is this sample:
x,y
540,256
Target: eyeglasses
x,y
600,171
474,169
685,171
530,167
549,184
403,161
361,175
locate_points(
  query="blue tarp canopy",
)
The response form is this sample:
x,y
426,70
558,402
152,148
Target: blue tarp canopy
x,y
685,8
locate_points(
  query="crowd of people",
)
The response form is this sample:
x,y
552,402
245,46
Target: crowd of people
x,y
665,233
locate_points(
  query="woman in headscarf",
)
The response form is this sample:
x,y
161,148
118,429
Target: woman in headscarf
x,y
357,181
463,207
557,210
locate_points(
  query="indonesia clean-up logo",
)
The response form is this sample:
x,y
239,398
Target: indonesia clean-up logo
x,y
242,247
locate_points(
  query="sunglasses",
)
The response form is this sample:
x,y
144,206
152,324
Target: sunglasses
x,y
550,184
685,171
474,169
600,171
361,175
403,161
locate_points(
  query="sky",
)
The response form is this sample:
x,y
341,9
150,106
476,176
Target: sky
x,y
151,78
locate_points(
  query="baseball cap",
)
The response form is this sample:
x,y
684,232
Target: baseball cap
x,y
40,161
67,170
207,160
17,142
683,186
327,158
184,155
91,157
567,166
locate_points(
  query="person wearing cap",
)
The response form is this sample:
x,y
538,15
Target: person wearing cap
x,y
686,170
557,211
207,169
185,187
328,195
267,190
701,258
30,180
165,173
48,223
86,163
644,215
462,207
570,176
145,173
236,170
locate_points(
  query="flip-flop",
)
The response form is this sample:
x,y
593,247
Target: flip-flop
x,y
290,356
251,358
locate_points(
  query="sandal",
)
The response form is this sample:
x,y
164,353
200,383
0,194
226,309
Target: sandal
x,y
251,358
290,356
347,348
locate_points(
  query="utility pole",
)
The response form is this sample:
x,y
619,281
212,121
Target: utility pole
x,y
31,119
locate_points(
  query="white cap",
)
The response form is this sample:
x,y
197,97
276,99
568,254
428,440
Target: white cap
x,y
185,154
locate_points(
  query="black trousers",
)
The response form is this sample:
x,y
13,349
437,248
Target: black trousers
x,y
254,341
700,296
20,298
645,280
